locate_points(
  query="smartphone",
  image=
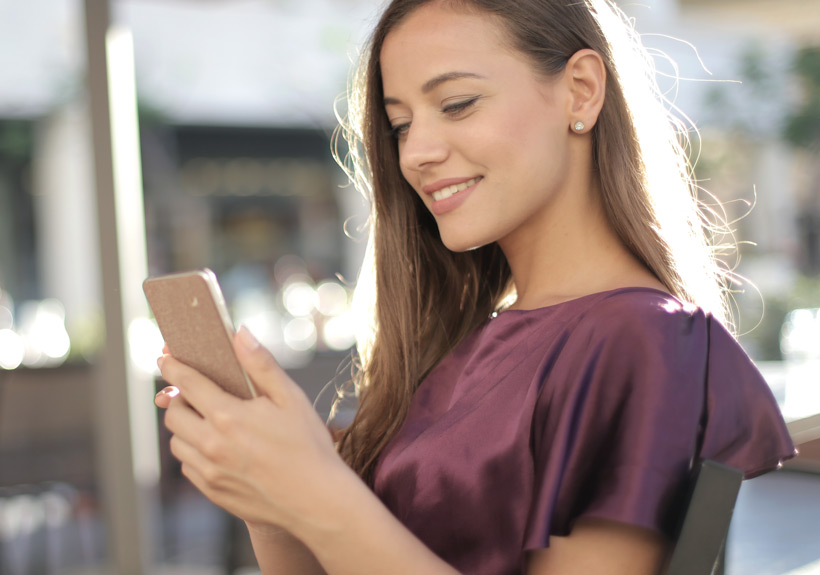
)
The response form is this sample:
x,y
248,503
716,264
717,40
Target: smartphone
x,y
194,320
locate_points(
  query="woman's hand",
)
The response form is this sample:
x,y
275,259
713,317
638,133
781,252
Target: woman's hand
x,y
264,459
271,461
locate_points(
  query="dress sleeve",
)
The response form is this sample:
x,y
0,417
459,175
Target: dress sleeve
x,y
636,395
744,426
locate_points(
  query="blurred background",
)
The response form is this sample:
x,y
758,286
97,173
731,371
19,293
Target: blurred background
x,y
143,137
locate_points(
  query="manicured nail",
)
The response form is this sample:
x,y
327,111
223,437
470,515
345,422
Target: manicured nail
x,y
171,391
247,340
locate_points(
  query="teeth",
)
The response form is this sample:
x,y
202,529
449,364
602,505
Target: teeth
x,y
445,193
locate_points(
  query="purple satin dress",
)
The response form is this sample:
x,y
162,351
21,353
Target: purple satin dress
x,y
590,408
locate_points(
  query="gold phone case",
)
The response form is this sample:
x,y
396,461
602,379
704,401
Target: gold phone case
x,y
193,318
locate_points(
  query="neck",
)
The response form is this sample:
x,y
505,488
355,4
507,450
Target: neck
x,y
571,251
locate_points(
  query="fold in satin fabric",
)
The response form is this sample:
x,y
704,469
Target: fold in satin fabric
x,y
595,407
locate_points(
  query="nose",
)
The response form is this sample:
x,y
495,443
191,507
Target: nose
x,y
423,145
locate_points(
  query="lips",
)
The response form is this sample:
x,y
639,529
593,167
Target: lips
x,y
449,194
445,193
443,189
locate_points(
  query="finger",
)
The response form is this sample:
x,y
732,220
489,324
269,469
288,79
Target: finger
x,y
204,395
164,397
191,458
165,349
195,477
261,366
212,458
184,422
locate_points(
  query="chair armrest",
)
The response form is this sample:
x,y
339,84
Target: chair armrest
x,y
706,519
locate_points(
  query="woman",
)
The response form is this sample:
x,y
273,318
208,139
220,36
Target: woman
x,y
545,358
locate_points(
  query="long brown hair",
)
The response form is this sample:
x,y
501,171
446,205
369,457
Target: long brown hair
x,y
419,298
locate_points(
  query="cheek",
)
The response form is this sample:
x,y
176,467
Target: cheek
x,y
535,126
539,143
522,128
406,172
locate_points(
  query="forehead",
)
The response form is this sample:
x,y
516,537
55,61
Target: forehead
x,y
433,19
435,39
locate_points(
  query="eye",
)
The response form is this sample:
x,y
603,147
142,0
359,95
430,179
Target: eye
x,y
456,108
399,130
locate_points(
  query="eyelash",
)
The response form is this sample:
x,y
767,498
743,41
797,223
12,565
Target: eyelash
x,y
453,109
458,107
398,130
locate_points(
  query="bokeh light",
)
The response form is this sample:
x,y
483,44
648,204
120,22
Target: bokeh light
x,y
145,344
12,349
300,334
338,332
800,335
332,298
42,328
299,298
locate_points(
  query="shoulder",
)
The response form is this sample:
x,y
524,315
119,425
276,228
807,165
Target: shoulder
x,y
636,340
646,316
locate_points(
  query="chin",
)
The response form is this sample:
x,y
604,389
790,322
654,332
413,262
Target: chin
x,y
462,244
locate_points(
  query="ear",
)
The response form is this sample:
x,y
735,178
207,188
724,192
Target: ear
x,y
585,74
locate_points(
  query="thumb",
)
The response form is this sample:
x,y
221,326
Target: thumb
x,y
260,365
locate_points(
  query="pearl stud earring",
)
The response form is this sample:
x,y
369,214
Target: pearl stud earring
x,y
578,126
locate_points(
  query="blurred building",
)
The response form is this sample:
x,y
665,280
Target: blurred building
x,y
236,120
237,113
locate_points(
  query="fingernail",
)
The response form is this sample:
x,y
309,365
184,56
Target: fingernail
x,y
170,391
247,340
160,361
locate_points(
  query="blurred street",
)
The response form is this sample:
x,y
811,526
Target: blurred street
x,y
775,528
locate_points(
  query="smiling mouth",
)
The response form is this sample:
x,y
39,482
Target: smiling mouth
x,y
445,193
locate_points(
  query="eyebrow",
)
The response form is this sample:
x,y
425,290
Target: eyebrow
x,y
434,83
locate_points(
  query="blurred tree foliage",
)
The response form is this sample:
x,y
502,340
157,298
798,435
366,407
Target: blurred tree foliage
x,y
802,127
16,140
764,339
738,124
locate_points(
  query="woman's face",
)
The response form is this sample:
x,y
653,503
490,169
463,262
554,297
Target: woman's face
x,y
481,138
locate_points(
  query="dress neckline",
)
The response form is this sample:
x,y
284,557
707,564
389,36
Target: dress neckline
x,y
581,299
